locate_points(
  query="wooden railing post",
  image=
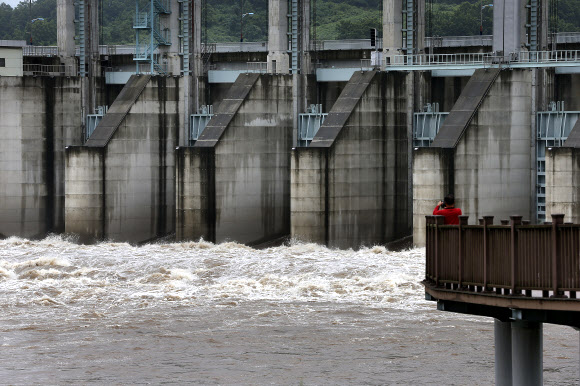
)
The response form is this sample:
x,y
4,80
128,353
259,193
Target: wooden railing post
x,y
514,221
557,219
486,221
428,247
439,220
462,222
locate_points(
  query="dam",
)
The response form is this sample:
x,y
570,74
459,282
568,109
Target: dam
x,y
342,143
345,145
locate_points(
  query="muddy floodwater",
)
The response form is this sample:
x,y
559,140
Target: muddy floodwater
x,y
227,314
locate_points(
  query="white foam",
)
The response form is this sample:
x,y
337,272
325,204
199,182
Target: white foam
x,y
119,272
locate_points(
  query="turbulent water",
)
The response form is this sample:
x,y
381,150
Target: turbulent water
x,y
201,313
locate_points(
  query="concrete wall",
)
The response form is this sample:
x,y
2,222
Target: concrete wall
x,y
508,26
563,183
195,193
432,169
242,192
40,115
493,163
65,35
84,199
278,58
354,192
137,171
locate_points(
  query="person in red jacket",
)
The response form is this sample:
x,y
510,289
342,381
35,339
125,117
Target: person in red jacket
x,y
448,210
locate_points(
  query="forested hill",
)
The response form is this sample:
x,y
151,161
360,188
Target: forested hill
x,y
335,19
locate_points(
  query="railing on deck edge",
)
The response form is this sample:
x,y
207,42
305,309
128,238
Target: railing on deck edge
x,y
49,70
562,56
512,259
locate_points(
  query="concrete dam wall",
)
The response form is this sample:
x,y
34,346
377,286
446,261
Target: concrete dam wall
x,y
234,183
40,115
121,184
349,187
134,180
483,153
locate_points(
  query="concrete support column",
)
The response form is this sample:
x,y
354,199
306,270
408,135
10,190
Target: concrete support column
x,y
92,46
507,26
92,58
278,59
420,26
503,352
544,26
171,53
305,36
65,34
527,355
392,29
196,64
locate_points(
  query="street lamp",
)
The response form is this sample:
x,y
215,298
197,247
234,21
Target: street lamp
x,y
481,17
242,25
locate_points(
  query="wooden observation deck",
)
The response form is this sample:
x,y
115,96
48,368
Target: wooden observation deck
x,y
520,274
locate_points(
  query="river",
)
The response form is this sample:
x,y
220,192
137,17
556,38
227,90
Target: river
x,y
200,313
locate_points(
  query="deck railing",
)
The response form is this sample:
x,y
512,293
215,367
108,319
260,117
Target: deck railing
x,y
510,259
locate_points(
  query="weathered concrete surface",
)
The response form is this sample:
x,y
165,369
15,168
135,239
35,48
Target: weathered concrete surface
x,y
40,115
138,167
118,111
278,58
465,108
508,22
349,187
432,180
563,183
493,162
85,194
234,184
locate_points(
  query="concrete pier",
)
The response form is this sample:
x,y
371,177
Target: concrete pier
x,y
349,187
482,152
278,59
503,352
121,185
527,353
39,116
234,183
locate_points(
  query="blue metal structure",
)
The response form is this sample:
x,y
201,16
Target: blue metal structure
x,y
294,35
82,38
198,122
309,124
149,23
184,35
426,125
553,128
94,119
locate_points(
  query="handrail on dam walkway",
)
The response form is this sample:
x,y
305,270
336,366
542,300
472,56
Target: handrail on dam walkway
x,y
515,265
522,59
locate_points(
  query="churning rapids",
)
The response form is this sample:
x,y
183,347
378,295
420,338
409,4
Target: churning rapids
x,y
201,313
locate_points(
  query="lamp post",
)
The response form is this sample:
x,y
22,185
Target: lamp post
x,y
481,17
242,25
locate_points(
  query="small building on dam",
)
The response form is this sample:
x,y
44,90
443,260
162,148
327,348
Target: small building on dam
x,y
341,143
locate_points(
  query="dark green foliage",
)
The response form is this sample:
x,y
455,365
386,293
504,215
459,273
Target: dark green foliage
x,y
335,19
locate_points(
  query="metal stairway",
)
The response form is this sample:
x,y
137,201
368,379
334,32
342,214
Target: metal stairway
x,y
150,23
